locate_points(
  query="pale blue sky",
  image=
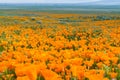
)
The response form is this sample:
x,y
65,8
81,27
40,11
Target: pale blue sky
x,y
62,1
46,1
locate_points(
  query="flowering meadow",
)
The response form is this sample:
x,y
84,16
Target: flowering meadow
x,y
60,47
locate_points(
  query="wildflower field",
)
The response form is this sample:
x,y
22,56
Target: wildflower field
x,y
60,47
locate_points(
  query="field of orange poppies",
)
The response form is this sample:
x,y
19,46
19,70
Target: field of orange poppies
x,y
60,47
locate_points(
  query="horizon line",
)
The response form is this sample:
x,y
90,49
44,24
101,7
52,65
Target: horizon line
x,y
60,3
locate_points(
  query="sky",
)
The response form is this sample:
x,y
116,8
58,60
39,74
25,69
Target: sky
x,y
46,1
64,1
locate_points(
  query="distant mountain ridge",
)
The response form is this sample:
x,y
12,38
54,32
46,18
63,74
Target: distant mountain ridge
x,y
56,5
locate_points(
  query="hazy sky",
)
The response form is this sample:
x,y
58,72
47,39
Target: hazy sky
x,y
46,1
62,1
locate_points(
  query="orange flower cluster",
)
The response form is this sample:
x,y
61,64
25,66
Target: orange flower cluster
x,y
61,52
